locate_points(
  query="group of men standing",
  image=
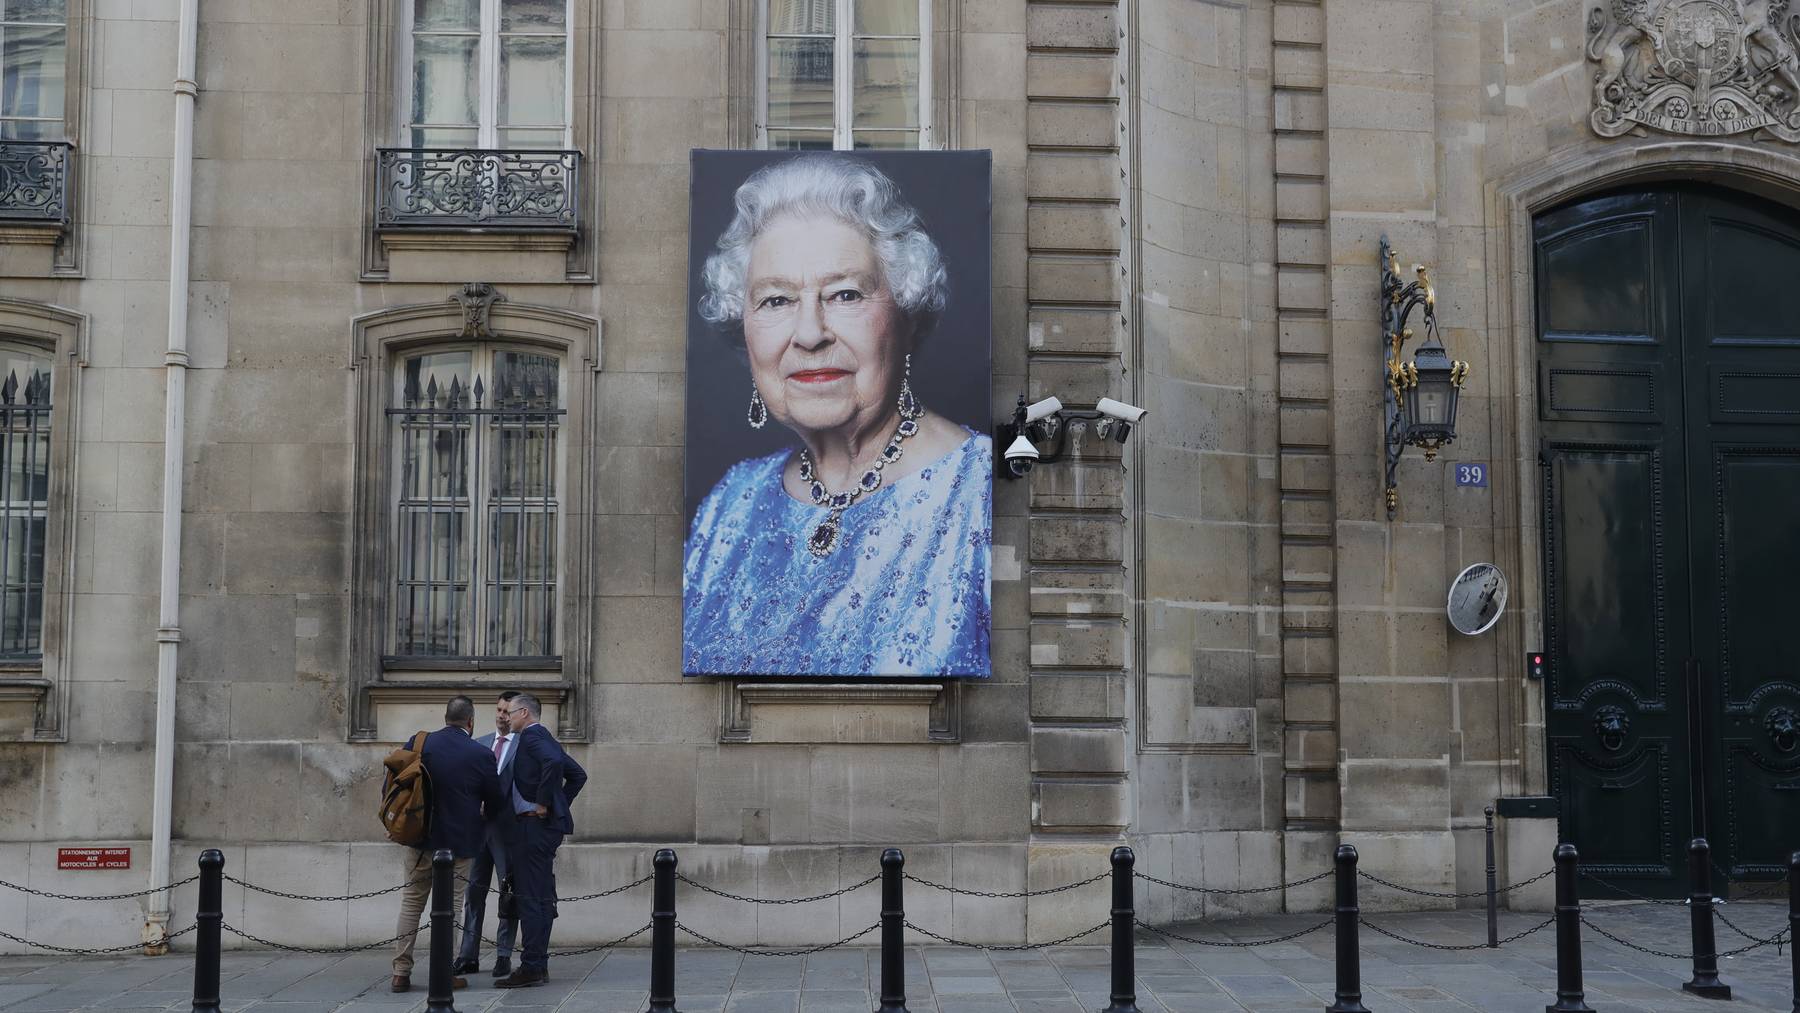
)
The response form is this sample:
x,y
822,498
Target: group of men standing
x,y
500,805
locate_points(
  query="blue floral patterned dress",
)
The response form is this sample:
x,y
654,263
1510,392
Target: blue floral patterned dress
x,y
904,593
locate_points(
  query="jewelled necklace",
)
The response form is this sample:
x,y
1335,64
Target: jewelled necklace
x,y
825,537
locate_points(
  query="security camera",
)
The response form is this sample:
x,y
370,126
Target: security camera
x,y
1042,410
1120,410
1021,455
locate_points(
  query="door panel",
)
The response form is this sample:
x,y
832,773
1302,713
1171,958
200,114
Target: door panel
x,y
1615,545
1742,366
1669,408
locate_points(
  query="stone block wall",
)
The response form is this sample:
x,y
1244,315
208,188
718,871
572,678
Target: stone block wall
x,y
1211,643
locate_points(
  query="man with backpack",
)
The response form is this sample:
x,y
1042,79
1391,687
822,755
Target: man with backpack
x,y
459,784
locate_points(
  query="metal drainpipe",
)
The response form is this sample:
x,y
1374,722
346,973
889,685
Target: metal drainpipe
x,y
175,361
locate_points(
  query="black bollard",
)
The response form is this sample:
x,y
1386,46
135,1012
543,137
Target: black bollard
x,y
1706,981
1124,917
1493,897
662,933
211,915
893,933
443,894
1794,922
1568,935
1349,956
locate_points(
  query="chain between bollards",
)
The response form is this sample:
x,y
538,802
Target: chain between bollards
x,y
893,932
1124,923
662,933
1794,922
1569,998
209,916
1349,917
1705,982
1493,898
438,994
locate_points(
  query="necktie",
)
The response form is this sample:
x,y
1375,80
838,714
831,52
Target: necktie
x,y
499,747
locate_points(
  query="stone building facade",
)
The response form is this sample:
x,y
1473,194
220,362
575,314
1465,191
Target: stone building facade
x,y
1212,643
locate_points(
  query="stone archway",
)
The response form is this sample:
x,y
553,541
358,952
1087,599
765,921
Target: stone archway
x,y
1513,201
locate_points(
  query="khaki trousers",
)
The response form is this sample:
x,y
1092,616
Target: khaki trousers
x,y
417,869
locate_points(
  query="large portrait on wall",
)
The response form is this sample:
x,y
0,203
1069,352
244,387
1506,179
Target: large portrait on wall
x,y
839,471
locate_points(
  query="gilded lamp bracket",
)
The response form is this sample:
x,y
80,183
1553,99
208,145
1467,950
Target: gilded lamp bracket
x,y
1419,395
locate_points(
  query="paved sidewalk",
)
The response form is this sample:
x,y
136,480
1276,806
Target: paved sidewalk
x,y
1173,977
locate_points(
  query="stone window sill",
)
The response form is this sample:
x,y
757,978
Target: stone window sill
x,y
23,690
406,702
841,712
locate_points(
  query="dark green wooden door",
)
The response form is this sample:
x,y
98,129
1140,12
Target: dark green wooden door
x,y
1669,413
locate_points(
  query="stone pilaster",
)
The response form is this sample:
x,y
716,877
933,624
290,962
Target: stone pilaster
x,y
1303,303
1079,644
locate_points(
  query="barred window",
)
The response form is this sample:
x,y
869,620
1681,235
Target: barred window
x,y
477,467
845,74
24,500
487,74
33,49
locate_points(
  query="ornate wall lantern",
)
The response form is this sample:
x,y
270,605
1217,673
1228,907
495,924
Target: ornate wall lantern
x,y
1421,395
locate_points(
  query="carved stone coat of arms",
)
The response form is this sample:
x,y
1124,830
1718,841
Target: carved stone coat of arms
x,y
1703,68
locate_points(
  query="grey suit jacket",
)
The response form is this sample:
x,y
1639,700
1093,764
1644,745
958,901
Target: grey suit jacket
x,y
496,840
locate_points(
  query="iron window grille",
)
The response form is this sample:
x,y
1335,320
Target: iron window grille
x,y
34,181
477,515
477,187
24,511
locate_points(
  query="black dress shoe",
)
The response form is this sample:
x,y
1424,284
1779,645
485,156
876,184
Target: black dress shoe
x,y
465,967
502,967
524,977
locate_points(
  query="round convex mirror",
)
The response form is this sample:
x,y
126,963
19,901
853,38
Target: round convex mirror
x,y
1477,597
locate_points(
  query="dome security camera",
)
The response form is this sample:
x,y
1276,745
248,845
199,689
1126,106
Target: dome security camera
x,y
1021,455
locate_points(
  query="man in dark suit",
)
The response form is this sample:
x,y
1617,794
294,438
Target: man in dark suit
x,y
491,863
545,781
463,781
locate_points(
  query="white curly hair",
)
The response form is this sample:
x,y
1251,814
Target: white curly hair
x,y
849,190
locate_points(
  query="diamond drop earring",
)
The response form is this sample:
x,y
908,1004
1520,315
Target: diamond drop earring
x,y
758,415
909,404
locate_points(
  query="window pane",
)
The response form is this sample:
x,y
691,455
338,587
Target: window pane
x,y
525,379
533,15
531,80
445,137
802,17
34,10
32,84
30,130
445,79
887,83
887,17
421,372
887,139
528,138
447,15
800,140
800,83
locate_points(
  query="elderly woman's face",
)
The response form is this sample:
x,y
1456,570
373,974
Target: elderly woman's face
x,y
824,335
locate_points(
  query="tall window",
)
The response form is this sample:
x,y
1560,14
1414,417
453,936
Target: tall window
x,y
33,41
845,74
477,466
487,74
24,499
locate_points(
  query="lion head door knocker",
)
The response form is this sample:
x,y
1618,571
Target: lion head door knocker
x,y
1784,729
1611,726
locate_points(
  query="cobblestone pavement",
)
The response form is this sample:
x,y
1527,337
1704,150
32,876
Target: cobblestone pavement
x,y
1173,976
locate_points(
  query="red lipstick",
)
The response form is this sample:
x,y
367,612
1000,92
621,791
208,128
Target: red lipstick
x,y
818,375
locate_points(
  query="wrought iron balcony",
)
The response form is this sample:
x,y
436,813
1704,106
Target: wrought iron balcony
x,y
34,181
477,188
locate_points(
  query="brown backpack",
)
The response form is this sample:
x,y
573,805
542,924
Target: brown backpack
x,y
406,794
